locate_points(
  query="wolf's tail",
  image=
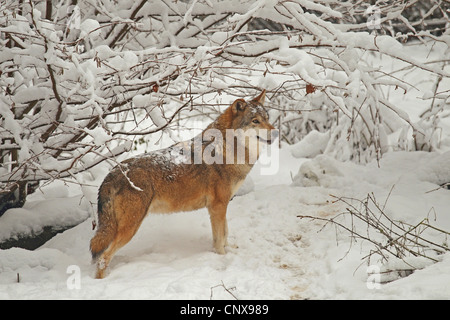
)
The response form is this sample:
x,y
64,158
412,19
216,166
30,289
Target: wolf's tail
x,y
107,225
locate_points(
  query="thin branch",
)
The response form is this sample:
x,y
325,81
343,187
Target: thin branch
x,y
228,290
399,240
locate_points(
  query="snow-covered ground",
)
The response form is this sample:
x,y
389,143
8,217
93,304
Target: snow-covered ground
x,y
275,255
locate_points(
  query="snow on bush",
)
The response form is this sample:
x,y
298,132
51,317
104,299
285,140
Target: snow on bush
x,y
79,83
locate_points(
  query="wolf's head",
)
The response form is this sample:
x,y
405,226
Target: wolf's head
x,y
240,132
253,119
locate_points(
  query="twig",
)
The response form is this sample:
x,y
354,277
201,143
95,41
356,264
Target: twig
x,y
225,288
399,239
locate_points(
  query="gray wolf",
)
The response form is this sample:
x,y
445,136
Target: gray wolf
x,y
205,171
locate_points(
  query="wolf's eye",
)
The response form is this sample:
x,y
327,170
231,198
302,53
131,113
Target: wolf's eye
x,y
256,121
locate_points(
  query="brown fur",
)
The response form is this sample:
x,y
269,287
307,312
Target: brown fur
x,y
158,183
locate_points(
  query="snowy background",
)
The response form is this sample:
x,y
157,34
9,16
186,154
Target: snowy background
x,y
362,129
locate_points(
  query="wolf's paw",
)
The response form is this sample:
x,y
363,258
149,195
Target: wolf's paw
x,y
220,250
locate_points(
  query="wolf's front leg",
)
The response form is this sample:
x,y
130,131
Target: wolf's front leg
x,y
217,214
226,232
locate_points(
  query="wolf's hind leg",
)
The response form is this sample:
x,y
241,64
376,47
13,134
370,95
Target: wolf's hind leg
x,y
124,235
104,259
129,214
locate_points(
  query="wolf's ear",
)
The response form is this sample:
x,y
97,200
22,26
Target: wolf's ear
x,y
238,105
262,96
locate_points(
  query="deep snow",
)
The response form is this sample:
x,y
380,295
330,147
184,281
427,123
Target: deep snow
x,y
275,254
